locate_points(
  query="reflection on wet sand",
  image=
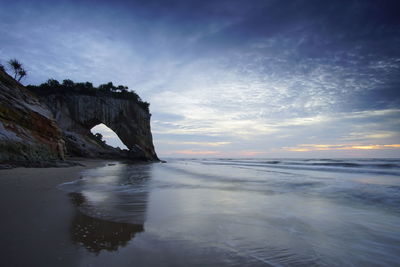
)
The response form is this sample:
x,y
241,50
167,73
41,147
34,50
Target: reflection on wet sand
x,y
96,234
107,217
201,214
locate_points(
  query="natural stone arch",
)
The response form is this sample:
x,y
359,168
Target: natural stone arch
x,y
77,114
108,136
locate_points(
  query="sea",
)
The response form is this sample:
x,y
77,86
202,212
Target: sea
x,y
239,212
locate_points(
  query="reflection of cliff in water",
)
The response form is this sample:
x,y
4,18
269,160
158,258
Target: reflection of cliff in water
x,y
111,207
96,234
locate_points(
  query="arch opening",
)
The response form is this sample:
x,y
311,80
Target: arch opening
x,y
107,135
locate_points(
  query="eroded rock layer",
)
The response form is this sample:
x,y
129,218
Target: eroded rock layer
x,y
28,132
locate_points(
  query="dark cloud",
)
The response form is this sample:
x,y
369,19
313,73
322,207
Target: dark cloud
x,y
320,22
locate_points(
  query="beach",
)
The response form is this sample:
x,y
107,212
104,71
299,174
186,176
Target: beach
x,y
199,133
36,216
203,212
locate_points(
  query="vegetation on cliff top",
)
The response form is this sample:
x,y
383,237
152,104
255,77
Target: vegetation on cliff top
x,y
16,67
86,88
68,86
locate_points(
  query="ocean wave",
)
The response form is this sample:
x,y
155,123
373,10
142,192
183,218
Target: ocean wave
x,y
360,166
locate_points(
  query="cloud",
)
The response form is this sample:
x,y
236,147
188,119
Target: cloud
x,y
246,77
369,135
192,152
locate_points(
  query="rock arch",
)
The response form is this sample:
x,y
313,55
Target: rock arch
x,y
108,136
76,114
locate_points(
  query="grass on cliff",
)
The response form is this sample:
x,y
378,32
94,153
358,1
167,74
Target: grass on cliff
x,y
86,88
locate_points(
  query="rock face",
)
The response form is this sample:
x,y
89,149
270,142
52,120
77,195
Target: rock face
x,y
29,134
46,127
77,113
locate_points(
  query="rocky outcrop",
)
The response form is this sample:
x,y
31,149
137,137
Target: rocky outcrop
x,y
37,126
29,134
77,113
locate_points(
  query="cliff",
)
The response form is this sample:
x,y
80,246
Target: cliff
x,y
49,121
29,134
76,113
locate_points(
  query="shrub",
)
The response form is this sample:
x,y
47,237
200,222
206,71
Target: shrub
x,y
16,67
108,89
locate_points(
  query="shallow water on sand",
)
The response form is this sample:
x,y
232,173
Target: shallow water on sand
x,y
229,212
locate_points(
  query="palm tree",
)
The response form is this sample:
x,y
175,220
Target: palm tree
x,y
16,66
22,73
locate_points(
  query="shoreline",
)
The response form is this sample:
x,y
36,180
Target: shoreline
x,y
37,216
68,162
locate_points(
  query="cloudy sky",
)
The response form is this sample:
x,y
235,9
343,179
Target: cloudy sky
x,y
229,78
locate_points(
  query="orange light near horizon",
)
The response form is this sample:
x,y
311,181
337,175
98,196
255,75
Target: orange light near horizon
x,y
194,152
250,153
306,148
394,146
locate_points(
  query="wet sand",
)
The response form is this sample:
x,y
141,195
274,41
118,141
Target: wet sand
x,y
36,216
202,213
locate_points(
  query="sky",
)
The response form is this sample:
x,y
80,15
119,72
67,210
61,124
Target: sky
x,y
230,78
